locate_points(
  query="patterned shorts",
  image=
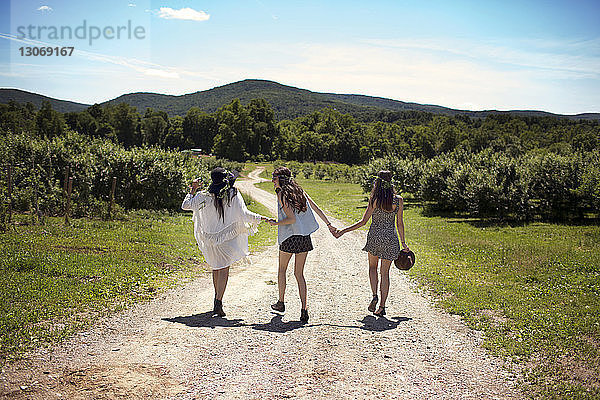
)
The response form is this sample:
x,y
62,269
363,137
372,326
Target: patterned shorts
x,y
296,244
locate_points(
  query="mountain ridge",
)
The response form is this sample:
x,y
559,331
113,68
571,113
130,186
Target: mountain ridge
x,y
287,102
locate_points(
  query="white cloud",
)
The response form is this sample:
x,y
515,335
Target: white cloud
x,y
184,13
130,5
45,9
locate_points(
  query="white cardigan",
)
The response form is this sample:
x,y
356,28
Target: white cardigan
x,y
221,241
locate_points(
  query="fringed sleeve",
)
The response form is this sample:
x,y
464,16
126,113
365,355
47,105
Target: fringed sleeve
x,y
250,218
193,202
230,232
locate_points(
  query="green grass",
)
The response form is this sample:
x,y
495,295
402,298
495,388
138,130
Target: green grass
x,y
56,279
534,290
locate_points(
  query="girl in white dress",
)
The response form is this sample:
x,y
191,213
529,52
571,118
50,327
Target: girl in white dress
x,y
222,224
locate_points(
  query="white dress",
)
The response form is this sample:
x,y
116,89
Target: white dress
x,y
221,241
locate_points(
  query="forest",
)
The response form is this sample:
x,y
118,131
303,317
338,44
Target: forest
x,y
506,166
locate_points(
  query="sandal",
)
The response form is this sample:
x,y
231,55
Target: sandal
x,y
380,312
218,308
373,304
304,315
279,306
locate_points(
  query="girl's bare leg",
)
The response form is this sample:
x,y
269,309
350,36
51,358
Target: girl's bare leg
x,y
215,276
299,274
373,276
284,259
385,280
223,275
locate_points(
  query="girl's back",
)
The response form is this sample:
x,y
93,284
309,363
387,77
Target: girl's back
x,y
382,239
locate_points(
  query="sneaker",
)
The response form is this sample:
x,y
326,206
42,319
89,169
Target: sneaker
x,y
279,306
303,315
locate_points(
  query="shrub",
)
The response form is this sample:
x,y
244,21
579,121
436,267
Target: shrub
x,y
147,177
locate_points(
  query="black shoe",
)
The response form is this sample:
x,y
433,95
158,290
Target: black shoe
x,y
304,315
373,304
381,312
279,306
218,308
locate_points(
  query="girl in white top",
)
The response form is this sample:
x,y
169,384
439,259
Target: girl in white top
x,y
295,222
222,224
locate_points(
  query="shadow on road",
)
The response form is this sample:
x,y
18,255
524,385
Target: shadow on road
x,y
370,323
206,320
277,325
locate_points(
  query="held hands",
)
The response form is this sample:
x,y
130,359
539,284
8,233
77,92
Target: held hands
x,y
269,220
334,231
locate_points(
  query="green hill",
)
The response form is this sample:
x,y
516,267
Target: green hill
x,y
287,101
21,96
291,102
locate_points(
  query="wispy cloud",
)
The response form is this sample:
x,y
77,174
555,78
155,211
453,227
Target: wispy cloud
x,y
45,9
426,77
11,74
184,13
140,66
131,5
559,59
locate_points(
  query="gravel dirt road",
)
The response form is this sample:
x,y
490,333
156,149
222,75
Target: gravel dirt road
x,y
171,348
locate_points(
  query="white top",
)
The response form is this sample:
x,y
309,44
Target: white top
x,y
221,241
305,224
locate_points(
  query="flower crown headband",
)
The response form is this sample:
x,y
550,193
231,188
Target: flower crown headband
x,y
282,177
385,184
228,180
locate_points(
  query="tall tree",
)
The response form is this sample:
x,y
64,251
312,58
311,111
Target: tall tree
x,y
155,126
125,121
49,123
201,128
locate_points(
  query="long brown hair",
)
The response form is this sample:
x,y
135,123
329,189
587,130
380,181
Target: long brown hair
x,y
382,194
291,192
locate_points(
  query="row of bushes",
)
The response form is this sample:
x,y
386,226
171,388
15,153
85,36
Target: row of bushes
x,y
493,184
322,171
147,177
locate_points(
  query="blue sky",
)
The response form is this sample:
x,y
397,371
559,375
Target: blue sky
x,y
542,55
